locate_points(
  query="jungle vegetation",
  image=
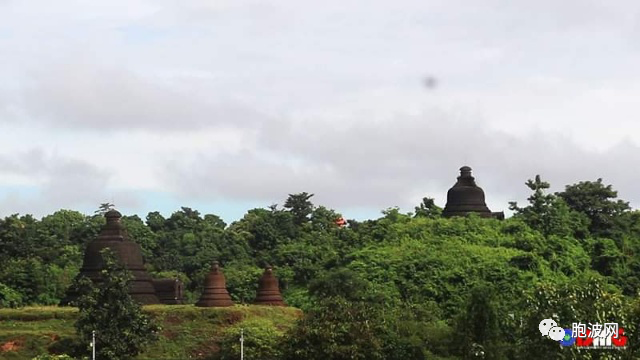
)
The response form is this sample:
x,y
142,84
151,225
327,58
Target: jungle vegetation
x,y
403,286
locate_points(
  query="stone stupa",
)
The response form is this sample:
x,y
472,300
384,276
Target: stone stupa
x,y
114,236
466,197
169,291
215,292
268,290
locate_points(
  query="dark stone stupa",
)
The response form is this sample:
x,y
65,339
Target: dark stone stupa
x,y
268,290
169,291
215,292
466,197
114,236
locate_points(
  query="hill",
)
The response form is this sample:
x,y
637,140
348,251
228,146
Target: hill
x,y
188,332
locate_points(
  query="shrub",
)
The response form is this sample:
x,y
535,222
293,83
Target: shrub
x,y
261,341
9,298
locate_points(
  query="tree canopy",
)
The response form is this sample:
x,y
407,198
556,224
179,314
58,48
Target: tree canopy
x,y
399,286
121,329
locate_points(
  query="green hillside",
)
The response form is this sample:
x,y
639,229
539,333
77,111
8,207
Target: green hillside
x,y
404,286
188,332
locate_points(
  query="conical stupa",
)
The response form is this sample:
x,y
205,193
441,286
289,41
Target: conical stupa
x,y
466,197
268,290
215,292
114,236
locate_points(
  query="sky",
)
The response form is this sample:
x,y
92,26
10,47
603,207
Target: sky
x,y
224,106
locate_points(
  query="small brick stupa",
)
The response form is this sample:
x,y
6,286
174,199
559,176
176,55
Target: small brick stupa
x,y
114,237
215,292
169,291
268,290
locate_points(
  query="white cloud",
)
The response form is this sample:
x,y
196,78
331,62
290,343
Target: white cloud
x,y
251,100
396,163
60,183
78,96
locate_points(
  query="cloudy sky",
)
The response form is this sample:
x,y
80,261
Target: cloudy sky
x,y
224,106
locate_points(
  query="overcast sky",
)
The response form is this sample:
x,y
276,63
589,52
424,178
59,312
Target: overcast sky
x,y
224,106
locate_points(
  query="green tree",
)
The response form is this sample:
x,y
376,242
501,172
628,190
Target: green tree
x,y
264,230
122,329
18,237
141,234
36,282
241,281
185,242
338,329
9,298
55,231
479,326
53,357
261,341
341,282
428,209
598,202
324,219
549,214
605,256
104,208
155,221
300,207
584,298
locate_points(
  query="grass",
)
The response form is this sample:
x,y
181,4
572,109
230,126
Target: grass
x,y
188,332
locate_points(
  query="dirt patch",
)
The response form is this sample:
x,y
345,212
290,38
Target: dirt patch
x,y
233,317
206,350
170,334
173,319
14,345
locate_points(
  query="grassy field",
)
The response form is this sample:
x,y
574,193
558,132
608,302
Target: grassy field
x,y
188,332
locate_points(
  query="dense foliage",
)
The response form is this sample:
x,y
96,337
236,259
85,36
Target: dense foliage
x,y
405,286
121,329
